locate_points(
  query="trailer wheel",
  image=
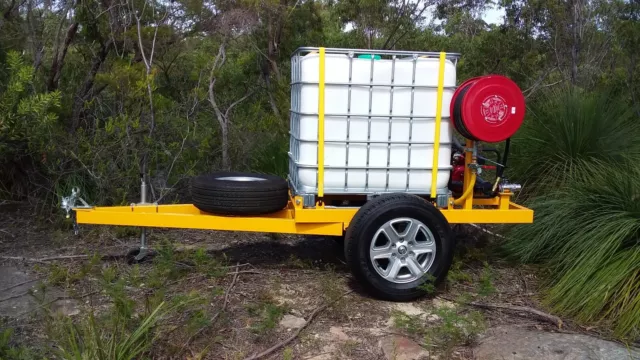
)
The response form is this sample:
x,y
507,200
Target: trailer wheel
x,y
396,243
231,193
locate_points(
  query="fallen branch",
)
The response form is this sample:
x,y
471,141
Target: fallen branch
x,y
20,259
61,257
541,314
19,284
15,296
8,233
283,343
215,317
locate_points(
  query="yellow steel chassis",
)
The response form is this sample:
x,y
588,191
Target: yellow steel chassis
x,y
321,219
293,220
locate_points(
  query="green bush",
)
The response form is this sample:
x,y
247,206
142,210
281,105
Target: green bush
x,y
588,235
565,131
575,153
93,339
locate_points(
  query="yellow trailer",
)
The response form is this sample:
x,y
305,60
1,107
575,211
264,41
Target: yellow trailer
x,y
394,241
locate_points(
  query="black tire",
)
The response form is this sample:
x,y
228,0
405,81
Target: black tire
x,y
232,193
371,217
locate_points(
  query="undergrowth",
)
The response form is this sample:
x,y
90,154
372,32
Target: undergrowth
x,y
577,154
444,329
265,314
566,131
107,338
588,236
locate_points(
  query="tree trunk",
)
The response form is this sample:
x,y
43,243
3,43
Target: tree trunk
x,y
85,92
575,46
60,53
272,101
225,147
222,121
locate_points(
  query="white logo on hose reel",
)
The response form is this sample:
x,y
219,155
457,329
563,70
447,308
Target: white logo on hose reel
x,y
494,109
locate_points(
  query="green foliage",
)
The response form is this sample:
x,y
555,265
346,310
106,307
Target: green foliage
x,y
10,351
485,286
26,118
59,274
593,254
113,340
566,131
165,266
454,328
428,286
205,263
266,315
444,329
457,274
287,354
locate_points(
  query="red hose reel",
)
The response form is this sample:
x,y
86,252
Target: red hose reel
x,y
488,108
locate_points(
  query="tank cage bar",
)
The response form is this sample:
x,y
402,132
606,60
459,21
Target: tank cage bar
x,y
436,145
321,107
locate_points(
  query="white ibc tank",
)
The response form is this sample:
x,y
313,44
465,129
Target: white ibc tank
x,y
398,124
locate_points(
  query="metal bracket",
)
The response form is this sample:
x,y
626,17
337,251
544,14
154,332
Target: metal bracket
x,y
308,200
442,200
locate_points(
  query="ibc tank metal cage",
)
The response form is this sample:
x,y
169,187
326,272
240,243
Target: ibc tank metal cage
x,y
320,167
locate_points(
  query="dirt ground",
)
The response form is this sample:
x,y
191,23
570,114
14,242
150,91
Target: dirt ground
x,y
235,295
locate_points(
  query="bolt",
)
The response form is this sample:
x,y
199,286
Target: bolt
x,y
411,243
403,258
298,202
393,254
394,245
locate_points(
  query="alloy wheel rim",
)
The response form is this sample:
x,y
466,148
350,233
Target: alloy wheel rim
x,y
402,250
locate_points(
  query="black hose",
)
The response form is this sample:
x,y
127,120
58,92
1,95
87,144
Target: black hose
x,y
505,156
501,167
457,114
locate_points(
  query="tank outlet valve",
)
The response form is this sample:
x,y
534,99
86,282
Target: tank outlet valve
x,y
510,187
477,168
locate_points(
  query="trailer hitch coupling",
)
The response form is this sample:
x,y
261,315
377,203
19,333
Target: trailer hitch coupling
x,y
69,203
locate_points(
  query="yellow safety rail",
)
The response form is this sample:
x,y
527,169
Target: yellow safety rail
x,y
321,124
436,141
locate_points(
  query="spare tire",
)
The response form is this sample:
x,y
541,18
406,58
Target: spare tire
x,y
233,193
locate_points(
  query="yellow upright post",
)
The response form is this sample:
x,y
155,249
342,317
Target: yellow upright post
x,y
321,124
468,159
436,141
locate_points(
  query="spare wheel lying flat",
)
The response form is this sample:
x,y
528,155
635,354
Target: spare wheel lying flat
x,y
233,193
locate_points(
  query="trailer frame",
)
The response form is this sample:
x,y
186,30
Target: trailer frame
x,y
308,214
